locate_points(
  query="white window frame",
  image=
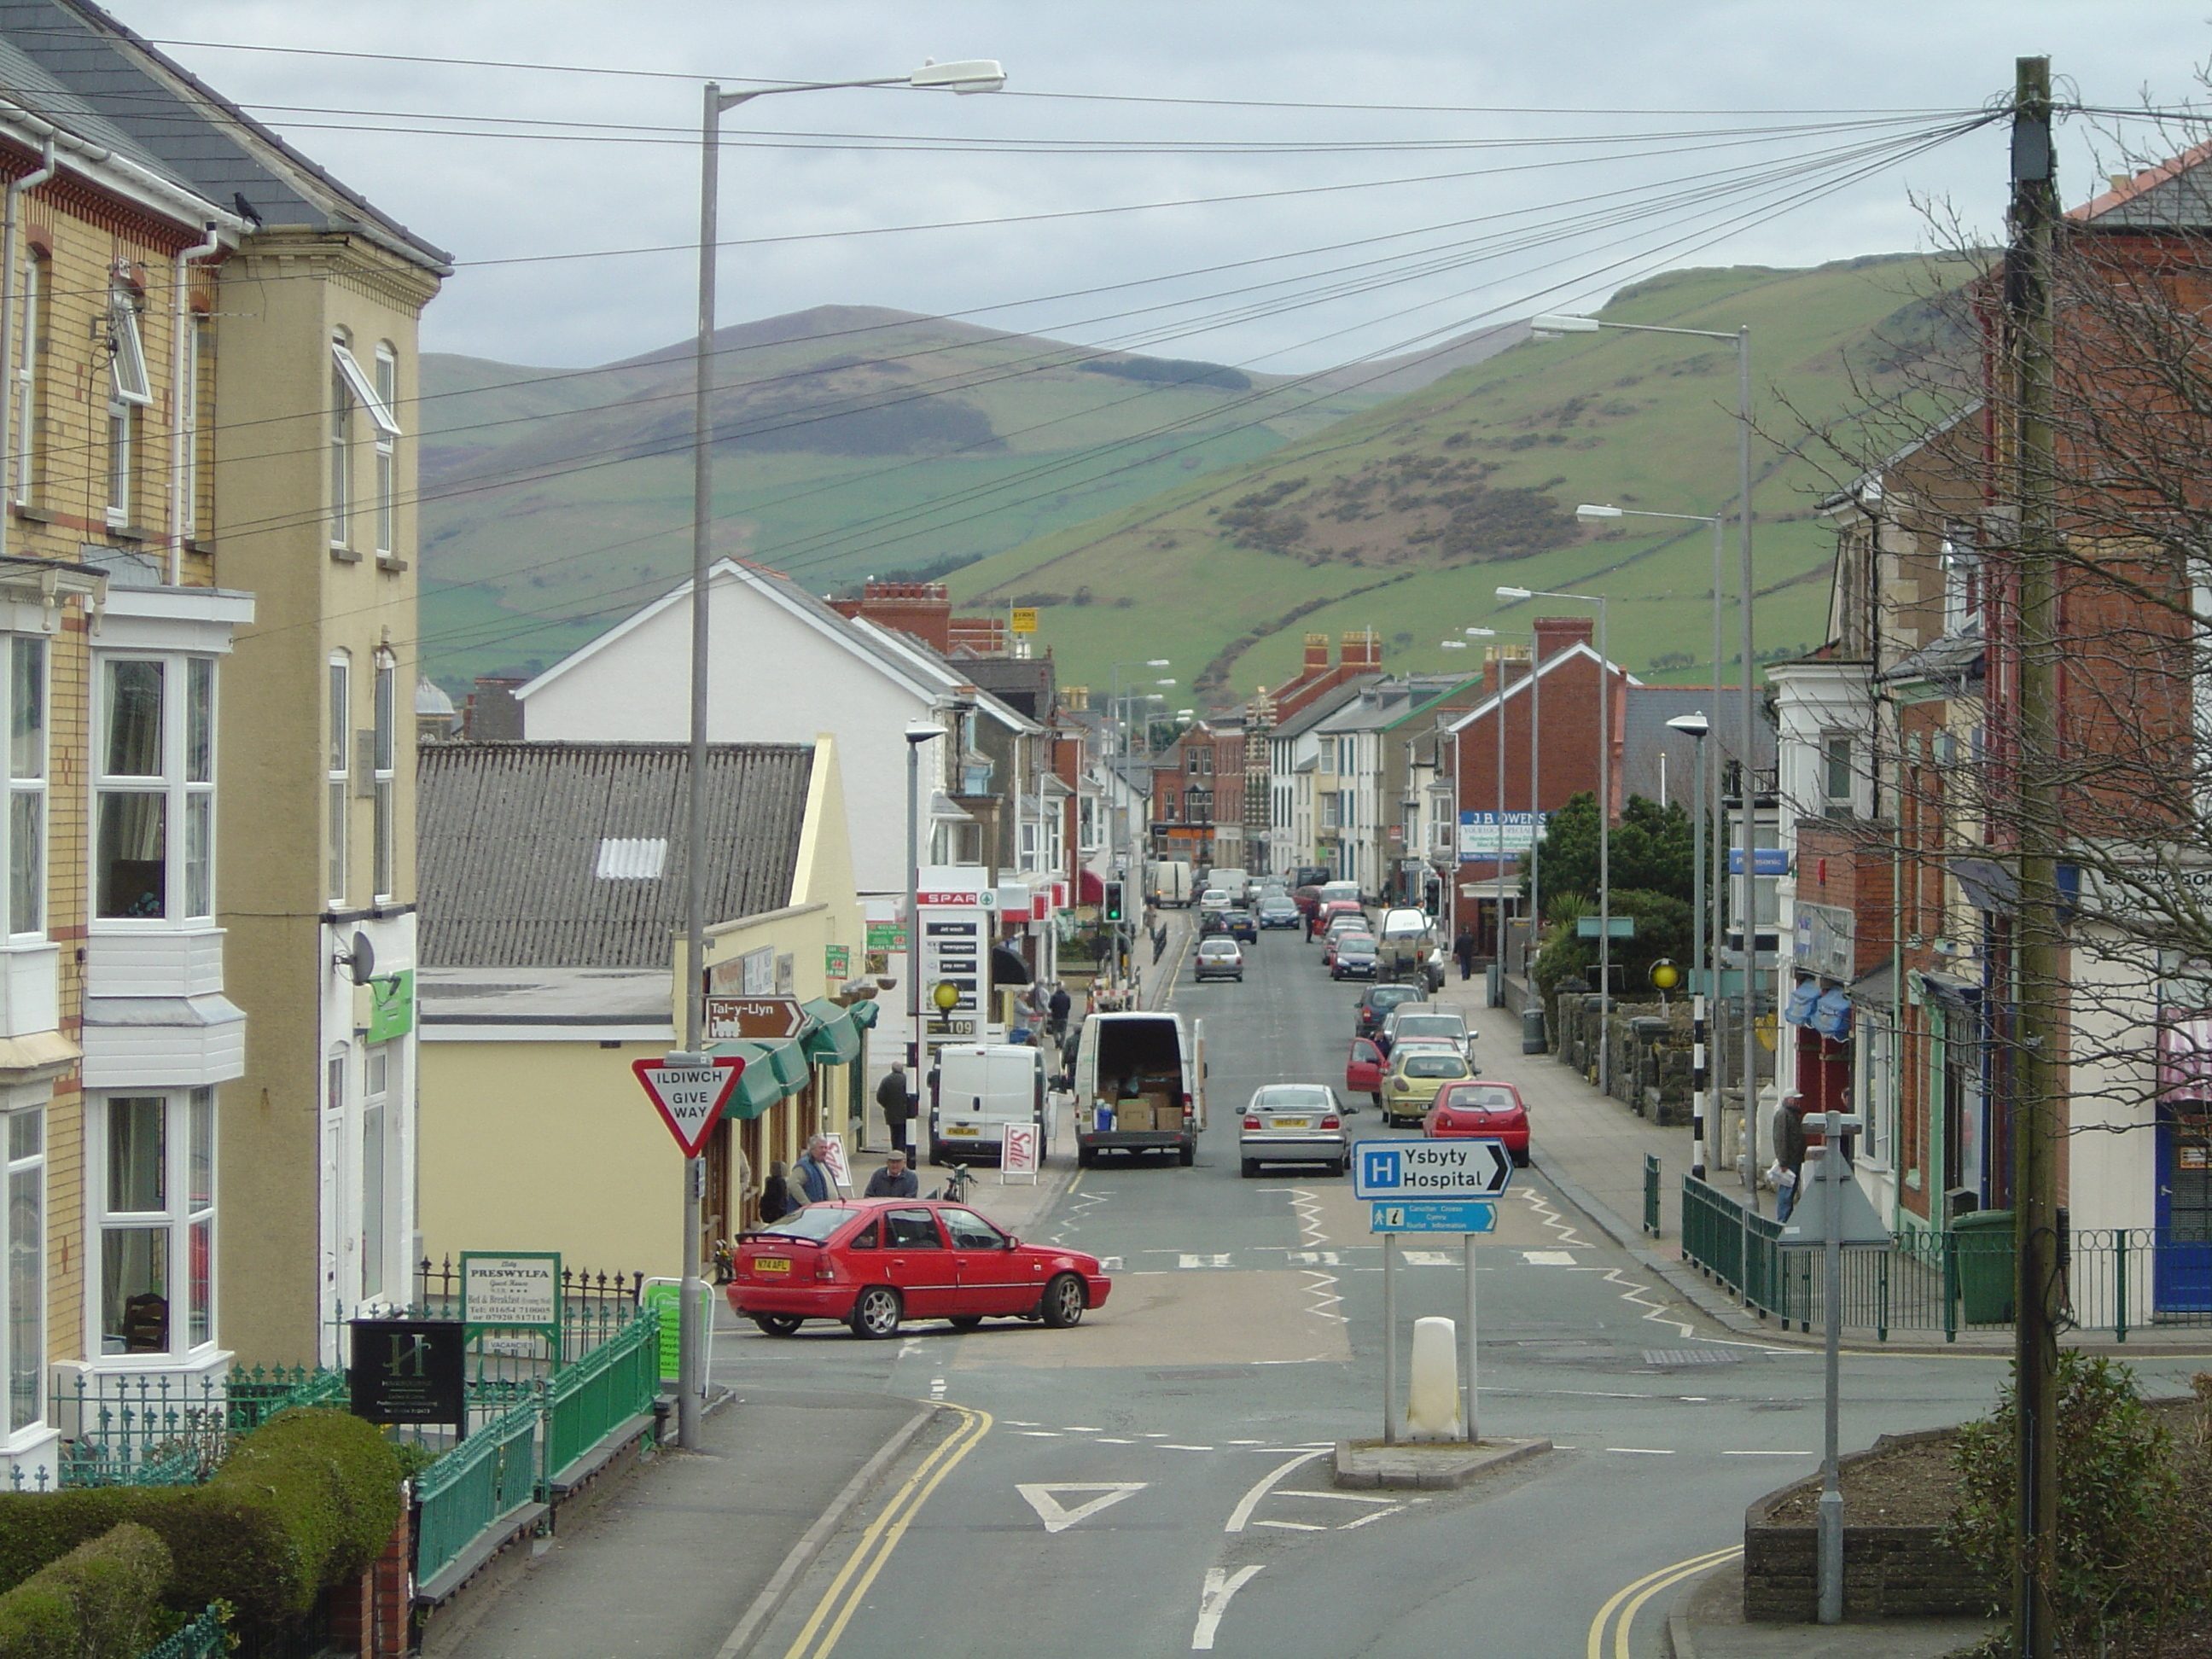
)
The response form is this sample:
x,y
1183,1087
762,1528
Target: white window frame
x,y
339,775
340,442
1833,805
384,878
1963,575
28,796
23,1156
188,821
129,391
387,390
22,448
181,1214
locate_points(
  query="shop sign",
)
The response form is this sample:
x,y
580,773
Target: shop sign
x,y
390,1005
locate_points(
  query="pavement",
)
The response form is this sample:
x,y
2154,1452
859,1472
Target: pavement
x,y
1711,1626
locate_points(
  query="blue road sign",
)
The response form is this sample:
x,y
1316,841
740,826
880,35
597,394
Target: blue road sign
x,y
1434,1215
1458,1168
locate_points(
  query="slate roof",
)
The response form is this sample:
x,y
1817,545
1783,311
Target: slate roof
x,y
509,835
1645,736
1323,707
191,132
2175,195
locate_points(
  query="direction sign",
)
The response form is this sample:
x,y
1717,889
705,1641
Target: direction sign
x,y
755,1019
1396,1170
689,1091
1434,1215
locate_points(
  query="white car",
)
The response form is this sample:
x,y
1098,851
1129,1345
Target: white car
x,y
1294,1123
1215,898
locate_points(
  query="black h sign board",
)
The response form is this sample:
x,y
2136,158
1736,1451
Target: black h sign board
x,y
410,1370
689,1091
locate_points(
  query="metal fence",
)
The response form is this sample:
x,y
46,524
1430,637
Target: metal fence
x,y
206,1637
167,1429
1923,1281
616,1382
470,1490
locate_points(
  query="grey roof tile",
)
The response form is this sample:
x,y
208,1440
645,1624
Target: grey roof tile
x,y
508,838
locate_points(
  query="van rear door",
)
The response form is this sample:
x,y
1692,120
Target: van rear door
x,y
1194,1079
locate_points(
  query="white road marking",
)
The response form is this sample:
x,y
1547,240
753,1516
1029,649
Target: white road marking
x,y
1214,1601
1644,1451
1040,1434
1548,1258
1379,1515
1338,1497
1017,1423
1292,1526
1111,1440
1767,1454
1172,1446
912,1345
1186,1260
1316,1258
1241,1514
1155,1434
1079,1428
1428,1258
1044,1496
1248,1442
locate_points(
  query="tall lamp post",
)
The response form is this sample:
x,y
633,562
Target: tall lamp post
x,y
1741,339
1121,752
974,76
1604,816
1697,726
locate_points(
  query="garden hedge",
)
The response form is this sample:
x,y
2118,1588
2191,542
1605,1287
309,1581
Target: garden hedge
x,y
302,1504
100,1600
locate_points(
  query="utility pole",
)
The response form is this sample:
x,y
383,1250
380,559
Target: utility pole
x,y
2035,1104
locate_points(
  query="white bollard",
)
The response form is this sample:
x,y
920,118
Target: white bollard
x,y
1433,1399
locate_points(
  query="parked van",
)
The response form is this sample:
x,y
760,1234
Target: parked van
x,y
980,1088
1404,941
1140,1085
1172,883
1232,881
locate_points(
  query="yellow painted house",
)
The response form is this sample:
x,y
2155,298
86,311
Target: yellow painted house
x,y
553,881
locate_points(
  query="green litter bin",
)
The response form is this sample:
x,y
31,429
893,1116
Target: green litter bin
x,y
1982,1246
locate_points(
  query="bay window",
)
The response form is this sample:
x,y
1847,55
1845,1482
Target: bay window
x,y
154,834
22,1239
385,760
155,1185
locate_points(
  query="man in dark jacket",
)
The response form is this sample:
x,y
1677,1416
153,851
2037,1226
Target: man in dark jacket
x,y
811,1182
1789,1153
897,1102
894,1180
1463,948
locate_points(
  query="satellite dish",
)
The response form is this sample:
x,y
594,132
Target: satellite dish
x,y
360,961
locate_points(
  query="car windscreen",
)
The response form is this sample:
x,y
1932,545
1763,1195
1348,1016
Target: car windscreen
x,y
1293,1099
1218,947
1481,1097
815,1222
1433,1065
1356,942
1389,996
1427,1025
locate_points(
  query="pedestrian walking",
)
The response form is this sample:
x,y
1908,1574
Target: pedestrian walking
x,y
896,1099
1056,1011
894,1180
775,1195
1789,1170
1463,948
810,1182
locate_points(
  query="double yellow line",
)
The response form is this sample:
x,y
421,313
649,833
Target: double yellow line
x,y
1628,1602
842,1599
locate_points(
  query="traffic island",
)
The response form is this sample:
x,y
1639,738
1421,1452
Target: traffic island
x,y
1426,1465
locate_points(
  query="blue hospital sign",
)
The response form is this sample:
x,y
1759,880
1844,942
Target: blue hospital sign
x,y
1380,1170
1470,1168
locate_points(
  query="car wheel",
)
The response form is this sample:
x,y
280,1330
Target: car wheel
x,y
963,1322
776,1324
1187,1154
1251,1168
1520,1160
1082,1158
876,1313
1063,1302
1339,1166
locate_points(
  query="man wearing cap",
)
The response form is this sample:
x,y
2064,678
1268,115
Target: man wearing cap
x,y
1789,1152
894,1180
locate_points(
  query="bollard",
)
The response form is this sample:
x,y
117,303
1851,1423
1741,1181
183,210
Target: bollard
x,y
1432,1397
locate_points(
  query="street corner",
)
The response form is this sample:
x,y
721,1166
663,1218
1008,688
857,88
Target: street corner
x,y
1260,1316
1414,1466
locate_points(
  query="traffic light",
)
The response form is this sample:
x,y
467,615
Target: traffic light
x,y
1112,901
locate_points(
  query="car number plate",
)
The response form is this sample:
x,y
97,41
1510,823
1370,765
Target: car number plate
x,y
969,1129
1294,1123
770,1266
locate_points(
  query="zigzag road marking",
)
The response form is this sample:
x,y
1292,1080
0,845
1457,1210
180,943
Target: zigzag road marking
x,y
1635,1292
1305,1204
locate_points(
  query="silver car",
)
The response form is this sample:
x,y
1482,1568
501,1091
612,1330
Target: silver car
x,y
1294,1123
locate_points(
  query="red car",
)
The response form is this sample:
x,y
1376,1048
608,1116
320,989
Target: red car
x,y
873,1263
1363,1072
1324,914
1492,1110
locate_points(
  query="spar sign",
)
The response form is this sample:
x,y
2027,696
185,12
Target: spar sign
x,y
689,1091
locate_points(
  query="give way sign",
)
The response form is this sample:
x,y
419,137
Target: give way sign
x,y
689,1091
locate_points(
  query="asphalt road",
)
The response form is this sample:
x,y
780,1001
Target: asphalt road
x,y
1155,1480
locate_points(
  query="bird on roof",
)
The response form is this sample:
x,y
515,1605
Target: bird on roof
x,y
244,208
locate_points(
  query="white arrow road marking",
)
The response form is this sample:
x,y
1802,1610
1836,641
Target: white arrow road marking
x,y
1043,1498
1241,1514
1214,1601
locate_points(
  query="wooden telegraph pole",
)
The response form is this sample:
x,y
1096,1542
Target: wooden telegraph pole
x,y
2035,1104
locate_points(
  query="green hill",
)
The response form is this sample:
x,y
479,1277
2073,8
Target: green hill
x,y
1406,516
849,441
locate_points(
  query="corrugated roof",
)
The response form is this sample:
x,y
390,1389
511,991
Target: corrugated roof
x,y
509,840
198,135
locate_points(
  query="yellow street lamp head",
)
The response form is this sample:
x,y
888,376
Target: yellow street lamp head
x,y
946,994
1665,975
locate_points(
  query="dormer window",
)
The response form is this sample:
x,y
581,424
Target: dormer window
x,y
1962,584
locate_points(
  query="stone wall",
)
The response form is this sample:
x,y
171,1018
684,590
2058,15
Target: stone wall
x,y
1889,1572
1650,1076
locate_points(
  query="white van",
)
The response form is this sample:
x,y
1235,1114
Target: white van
x,y
1140,1086
1171,884
1232,881
980,1088
1335,891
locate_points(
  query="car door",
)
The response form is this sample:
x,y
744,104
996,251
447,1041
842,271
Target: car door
x,y
986,1269
917,1264
1362,1073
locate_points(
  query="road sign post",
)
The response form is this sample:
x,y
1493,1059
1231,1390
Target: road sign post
x,y
689,1092
1429,1187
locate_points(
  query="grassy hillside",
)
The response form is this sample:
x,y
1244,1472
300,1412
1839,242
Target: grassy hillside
x,y
1406,516
848,441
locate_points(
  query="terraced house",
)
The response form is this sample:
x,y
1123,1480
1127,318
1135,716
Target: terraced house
x,y
208,350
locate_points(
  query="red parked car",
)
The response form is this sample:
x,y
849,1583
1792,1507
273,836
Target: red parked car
x,y
873,1263
1363,1072
1493,1111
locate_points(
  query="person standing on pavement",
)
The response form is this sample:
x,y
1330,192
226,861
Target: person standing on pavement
x,y
1789,1153
775,1195
1057,1011
810,1182
894,1180
896,1099
1463,948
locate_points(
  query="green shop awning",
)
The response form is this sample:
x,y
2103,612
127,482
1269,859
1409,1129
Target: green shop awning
x,y
832,1038
758,1087
793,1069
867,1013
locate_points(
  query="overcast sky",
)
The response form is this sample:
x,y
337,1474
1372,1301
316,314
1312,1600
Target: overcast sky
x,y
1638,106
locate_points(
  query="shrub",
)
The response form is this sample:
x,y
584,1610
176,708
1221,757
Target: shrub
x,y
99,1601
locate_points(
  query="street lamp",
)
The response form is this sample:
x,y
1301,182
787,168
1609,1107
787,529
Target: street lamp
x,y
1497,989
1557,323
978,74
1697,726
1604,816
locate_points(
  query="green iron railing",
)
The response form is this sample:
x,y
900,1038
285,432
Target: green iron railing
x,y
588,1401
1651,1193
475,1487
1712,1233
206,1637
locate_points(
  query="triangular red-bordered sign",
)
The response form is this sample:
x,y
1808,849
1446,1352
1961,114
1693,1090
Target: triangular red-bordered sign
x,y
689,1097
